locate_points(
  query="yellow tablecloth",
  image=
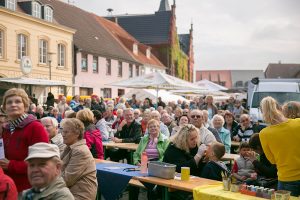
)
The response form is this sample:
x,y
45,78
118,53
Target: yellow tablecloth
x,y
216,192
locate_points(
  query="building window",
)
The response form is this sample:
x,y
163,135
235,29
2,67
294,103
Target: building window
x,y
11,4
95,64
137,70
120,69
1,43
85,91
130,71
61,90
22,46
36,9
121,92
84,66
239,84
135,49
61,53
108,67
107,92
48,16
43,51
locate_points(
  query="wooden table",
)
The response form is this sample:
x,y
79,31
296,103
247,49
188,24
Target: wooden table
x,y
174,184
128,146
131,147
168,184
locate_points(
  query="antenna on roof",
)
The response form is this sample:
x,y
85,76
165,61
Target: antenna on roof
x,y
109,11
71,2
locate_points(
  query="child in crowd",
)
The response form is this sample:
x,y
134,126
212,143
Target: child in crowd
x,y
214,168
243,169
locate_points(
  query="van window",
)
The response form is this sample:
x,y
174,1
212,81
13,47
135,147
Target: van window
x,y
281,97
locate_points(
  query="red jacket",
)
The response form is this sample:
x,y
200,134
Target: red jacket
x,y
8,190
94,141
28,132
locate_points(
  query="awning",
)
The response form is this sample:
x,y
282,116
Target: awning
x,y
34,81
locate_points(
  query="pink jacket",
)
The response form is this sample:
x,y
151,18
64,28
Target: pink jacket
x,y
94,141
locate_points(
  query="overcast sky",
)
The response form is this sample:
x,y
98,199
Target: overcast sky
x,y
228,34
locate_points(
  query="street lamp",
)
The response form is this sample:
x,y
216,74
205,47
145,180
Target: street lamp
x,y
49,61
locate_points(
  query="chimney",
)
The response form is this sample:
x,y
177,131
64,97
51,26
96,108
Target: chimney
x,y
115,19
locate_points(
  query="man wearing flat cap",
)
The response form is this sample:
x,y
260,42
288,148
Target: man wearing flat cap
x,y
44,168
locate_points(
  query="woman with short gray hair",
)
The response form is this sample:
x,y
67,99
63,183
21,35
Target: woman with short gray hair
x,y
79,168
218,123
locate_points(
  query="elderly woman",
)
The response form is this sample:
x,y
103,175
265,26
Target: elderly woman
x,y
144,121
137,115
280,142
230,124
40,112
154,144
91,134
21,131
79,168
118,120
183,120
218,123
183,150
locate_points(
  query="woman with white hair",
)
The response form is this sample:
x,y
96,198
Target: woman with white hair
x,y
218,123
280,142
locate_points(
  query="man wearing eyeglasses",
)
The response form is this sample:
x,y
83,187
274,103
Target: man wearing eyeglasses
x,y
196,118
245,129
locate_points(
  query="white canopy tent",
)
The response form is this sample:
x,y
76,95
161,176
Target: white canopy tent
x,y
211,86
157,81
34,81
166,96
37,85
198,92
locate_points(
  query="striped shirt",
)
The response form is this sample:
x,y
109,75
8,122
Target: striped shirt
x,y
151,150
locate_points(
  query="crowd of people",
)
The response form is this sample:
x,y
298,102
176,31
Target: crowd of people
x,y
50,154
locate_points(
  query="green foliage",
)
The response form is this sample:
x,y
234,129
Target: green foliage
x,y
179,60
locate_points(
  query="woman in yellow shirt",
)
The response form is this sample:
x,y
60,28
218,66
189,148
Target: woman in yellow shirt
x,y
281,142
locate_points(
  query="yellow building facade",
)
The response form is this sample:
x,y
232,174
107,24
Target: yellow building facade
x,y
46,43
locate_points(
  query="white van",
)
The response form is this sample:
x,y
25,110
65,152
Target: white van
x,y
283,90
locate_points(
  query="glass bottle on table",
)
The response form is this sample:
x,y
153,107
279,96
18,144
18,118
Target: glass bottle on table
x,y
144,162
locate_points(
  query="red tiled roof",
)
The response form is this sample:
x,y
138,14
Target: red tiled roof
x,y
127,41
89,37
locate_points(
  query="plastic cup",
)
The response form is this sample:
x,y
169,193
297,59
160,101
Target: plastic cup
x,y
185,173
282,195
226,184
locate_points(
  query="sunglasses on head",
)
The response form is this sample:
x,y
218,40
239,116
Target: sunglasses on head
x,y
198,116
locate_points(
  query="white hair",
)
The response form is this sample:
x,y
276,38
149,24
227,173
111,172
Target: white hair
x,y
52,119
155,112
219,117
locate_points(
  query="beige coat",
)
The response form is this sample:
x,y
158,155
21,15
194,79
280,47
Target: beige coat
x,y
79,171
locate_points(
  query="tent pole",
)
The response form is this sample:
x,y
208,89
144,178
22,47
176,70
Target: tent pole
x,y
156,97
